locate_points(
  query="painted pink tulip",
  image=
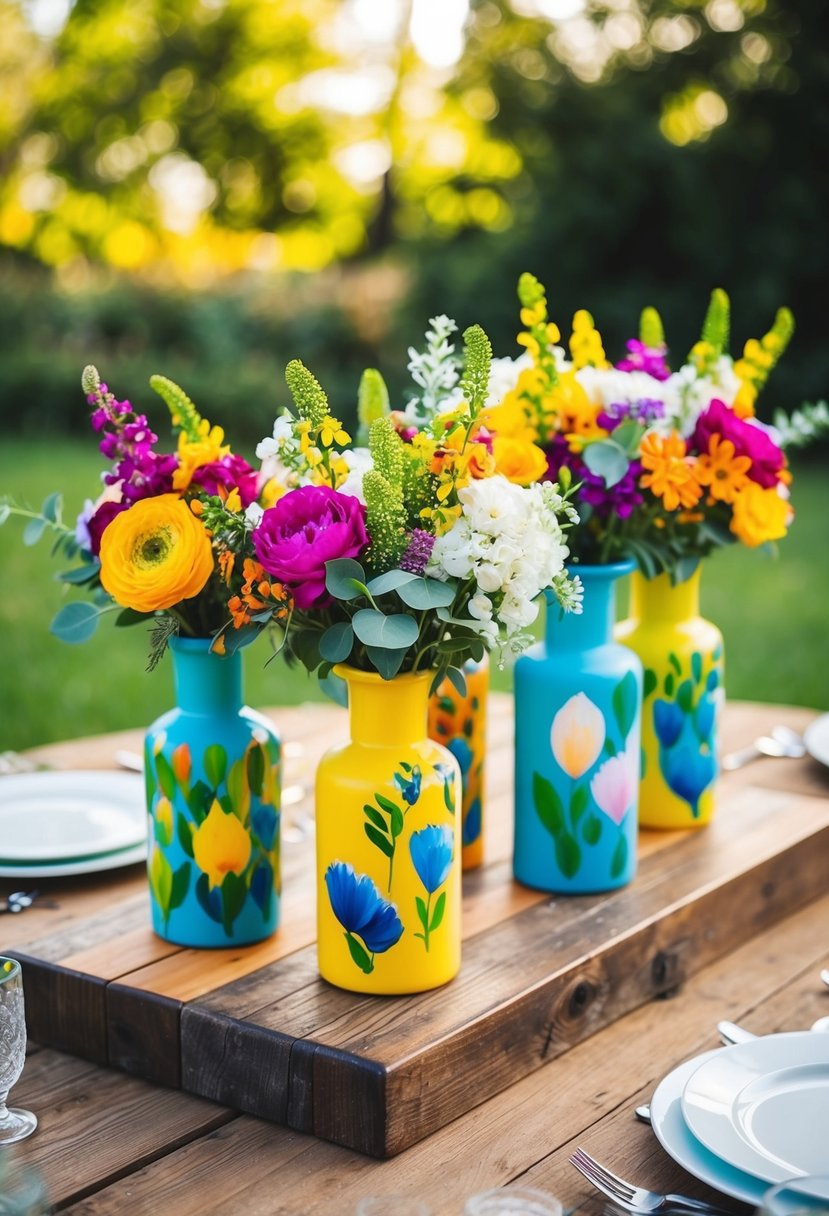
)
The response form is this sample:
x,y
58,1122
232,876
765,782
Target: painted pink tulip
x,y
577,735
615,785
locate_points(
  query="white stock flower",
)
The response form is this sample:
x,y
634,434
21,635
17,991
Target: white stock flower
x,y
608,385
283,434
253,514
359,463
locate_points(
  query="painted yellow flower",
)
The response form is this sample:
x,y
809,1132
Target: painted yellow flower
x,y
220,846
577,735
669,475
517,460
163,821
759,515
155,555
193,453
723,473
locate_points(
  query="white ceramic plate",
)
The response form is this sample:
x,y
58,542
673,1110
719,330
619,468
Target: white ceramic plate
x,y
56,816
816,737
673,1134
763,1106
85,865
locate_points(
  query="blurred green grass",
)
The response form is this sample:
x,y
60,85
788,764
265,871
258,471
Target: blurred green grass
x,y
774,613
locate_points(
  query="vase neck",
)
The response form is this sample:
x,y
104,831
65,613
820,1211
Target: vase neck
x,y
593,626
384,712
656,599
206,683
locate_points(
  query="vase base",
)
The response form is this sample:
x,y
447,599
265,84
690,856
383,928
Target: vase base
x,y
388,989
229,943
563,889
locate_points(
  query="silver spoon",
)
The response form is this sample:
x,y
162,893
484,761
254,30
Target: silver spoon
x,y
824,975
783,742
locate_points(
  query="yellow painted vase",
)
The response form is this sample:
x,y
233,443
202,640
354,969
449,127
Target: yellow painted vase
x,y
459,723
682,655
388,844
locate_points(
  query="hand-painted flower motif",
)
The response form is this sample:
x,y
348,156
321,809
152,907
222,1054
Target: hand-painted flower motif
x,y
220,845
616,783
577,735
408,781
362,912
431,849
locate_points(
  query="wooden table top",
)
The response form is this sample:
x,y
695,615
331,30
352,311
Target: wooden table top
x,y
111,1143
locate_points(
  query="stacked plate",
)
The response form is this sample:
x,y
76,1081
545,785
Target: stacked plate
x,y
58,823
748,1116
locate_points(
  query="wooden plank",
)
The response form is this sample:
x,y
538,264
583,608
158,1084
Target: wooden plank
x,y
525,1133
64,1008
522,998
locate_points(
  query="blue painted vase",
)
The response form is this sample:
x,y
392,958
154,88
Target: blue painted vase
x,y
578,708
212,770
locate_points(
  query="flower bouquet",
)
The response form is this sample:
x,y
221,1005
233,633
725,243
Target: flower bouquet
x,y
403,560
212,766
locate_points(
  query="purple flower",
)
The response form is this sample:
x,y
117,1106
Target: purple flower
x,y
97,522
621,499
231,470
305,529
641,358
645,409
418,551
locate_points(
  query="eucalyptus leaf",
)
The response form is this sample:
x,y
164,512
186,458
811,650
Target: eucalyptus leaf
x,y
390,581
458,680
628,435
336,689
33,531
79,575
424,593
392,632
5,512
345,578
75,623
684,569
337,641
51,506
387,662
607,460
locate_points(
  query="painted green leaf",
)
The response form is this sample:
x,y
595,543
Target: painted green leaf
x,y
161,881
396,821
568,854
215,764
359,954
421,912
438,911
386,803
376,818
387,662
650,682
209,898
609,746
75,623
425,593
184,832
237,789
620,857
548,805
696,666
256,768
377,838
675,663
685,696
591,829
199,800
344,578
337,641
386,632
181,885
578,803
234,894
166,776
625,698
669,684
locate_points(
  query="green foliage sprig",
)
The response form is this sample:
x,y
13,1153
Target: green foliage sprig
x,y
309,396
183,413
372,402
651,329
477,365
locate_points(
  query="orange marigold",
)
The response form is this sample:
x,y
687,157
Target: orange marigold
x,y
669,474
724,473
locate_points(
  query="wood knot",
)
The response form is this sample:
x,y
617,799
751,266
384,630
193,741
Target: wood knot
x,y
579,999
665,970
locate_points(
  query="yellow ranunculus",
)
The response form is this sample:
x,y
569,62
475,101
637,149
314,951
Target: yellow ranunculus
x,y
519,461
577,735
155,554
220,845
758,515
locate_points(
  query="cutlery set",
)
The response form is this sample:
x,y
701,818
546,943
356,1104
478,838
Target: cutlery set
x,y
707,1112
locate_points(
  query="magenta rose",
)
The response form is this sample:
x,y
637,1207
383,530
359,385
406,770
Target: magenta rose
x,y
230,471
307,528
99,520
749,439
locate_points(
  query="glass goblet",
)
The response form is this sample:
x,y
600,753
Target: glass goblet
x,y
15,1124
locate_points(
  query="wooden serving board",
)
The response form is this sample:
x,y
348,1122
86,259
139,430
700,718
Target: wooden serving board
x,y
256,1029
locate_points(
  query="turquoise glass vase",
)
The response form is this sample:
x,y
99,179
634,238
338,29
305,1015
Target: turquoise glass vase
x,y
213,773
578,710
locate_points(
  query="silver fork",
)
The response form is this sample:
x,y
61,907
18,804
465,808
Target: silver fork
x,y
636,1198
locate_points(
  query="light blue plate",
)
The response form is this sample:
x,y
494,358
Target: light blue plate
x,y
678,1142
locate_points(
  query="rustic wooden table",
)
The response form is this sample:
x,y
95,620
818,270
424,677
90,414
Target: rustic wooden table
x,y
114,1143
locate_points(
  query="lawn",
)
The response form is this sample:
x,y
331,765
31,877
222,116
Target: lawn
x,y
772,611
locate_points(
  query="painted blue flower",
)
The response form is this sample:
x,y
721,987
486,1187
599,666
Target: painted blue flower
x,y
704,716
409,783
462,752
688,772
265,822
361,909
431,850
472,822
668,720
